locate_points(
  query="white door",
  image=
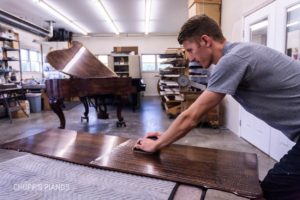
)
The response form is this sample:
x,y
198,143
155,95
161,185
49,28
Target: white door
x,y
258,28
288,42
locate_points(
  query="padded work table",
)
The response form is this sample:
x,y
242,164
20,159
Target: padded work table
x,y
228,171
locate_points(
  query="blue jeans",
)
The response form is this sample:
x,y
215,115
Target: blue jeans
x,y
283,181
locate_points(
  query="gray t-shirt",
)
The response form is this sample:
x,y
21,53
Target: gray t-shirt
x,y
265,82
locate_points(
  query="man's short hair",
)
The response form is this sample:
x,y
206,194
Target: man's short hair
x,y
200,25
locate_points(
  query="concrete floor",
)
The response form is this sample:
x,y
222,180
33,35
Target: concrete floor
x,y
149,117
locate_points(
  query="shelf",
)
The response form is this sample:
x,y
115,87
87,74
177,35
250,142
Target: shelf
x,y
121,65
9,49
170,55
7,60
170,75
173,98
7,39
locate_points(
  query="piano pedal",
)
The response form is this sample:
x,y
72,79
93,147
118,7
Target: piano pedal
x,y
84,118
120,124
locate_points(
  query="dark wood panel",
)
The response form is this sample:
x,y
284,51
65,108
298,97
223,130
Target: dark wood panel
x,y
229,171
77,147
234,172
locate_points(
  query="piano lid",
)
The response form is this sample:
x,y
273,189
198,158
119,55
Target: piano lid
x,y
79,62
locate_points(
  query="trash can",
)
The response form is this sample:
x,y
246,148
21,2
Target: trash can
x,y
35,102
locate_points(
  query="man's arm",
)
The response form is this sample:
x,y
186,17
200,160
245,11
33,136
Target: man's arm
x,y
186,121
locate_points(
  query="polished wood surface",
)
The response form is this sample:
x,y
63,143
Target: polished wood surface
x,y
229,171
85,66
73,146
65,88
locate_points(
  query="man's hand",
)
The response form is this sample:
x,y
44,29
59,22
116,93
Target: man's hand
x,y
151,134
147,144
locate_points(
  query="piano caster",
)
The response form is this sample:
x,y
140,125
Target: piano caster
x,y
120,124
84,118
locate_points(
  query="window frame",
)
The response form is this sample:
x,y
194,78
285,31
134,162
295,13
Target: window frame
x,y
156,63
30,60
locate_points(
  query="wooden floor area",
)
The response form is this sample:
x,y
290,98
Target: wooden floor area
x,y
228,171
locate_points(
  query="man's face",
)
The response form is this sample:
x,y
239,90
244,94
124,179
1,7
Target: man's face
x,y
197,50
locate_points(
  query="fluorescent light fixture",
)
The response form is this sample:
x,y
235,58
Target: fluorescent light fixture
x,y
293,7
259,25
293,24
103,11
59,15
147,16
77,56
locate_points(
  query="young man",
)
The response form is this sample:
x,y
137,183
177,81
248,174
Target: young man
x,y
265,82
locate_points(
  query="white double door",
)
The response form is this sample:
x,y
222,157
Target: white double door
x,y
266,26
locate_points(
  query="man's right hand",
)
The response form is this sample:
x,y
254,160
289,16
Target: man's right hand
x,y
151,134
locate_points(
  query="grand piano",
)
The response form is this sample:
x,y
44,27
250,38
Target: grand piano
x,y
90,80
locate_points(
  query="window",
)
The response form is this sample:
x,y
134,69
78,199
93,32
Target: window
x,y
25,60
293,32
103,59
30,60
259,32
152,63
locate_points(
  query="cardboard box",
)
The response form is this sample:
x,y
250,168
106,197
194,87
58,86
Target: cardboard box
x,y
15,45
126,50
20,113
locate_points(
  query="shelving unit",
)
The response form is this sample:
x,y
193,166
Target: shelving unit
x,y
125,65
168,86
10,63
121,65
180,84
198,77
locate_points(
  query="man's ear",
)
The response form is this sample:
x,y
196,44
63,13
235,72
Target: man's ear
x,y
206,41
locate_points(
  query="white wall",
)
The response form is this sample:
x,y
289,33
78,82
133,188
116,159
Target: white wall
x,y
233,12
146,45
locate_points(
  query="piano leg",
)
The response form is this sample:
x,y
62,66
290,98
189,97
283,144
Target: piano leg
x,y
120,121
85,103
56,107
101,108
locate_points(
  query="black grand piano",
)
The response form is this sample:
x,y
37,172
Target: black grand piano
x,y
90,80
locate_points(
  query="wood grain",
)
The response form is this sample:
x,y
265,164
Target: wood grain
x,y
228,171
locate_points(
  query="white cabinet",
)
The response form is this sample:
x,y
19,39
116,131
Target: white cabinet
x,y
270,22
279,144
125,65
134,66
255,131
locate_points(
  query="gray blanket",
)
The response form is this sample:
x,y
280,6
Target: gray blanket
x,y
34,177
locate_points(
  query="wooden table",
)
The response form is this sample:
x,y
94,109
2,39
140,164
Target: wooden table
x,y
229,171
12,95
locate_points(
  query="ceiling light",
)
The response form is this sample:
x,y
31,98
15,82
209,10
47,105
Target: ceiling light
x,y
102,9
59,15
293,24
293,7
147,17
259,25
